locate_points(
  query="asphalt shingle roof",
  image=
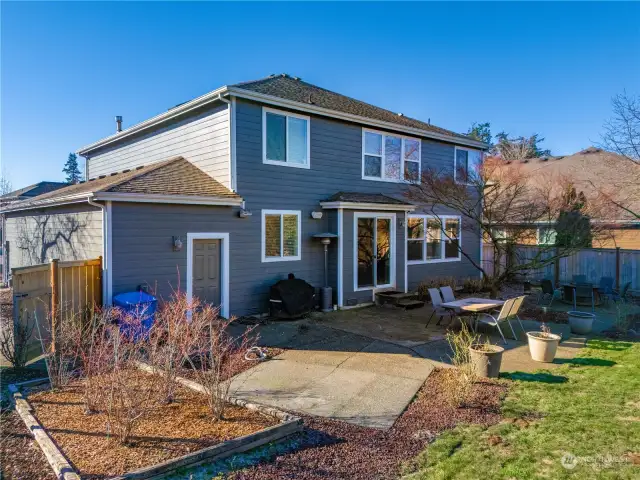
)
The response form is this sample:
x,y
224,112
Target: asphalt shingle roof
x,y
34,190
292,88
356,197
175,176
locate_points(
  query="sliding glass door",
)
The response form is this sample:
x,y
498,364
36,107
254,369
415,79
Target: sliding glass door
x,y
374,250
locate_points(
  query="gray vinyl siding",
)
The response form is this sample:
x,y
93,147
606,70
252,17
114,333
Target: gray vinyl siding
x,y
143,253
202,137
335,165
72,232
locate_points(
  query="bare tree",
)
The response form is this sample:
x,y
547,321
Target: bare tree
x,y
504,203
622,136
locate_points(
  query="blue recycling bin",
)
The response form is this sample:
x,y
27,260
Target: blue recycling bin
x,y
139,305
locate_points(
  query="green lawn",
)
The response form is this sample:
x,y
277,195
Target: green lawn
x,y
589,408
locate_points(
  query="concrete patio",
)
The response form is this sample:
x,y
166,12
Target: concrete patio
x,y
365,365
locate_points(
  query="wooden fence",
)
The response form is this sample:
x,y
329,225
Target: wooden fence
x,y
54,290
621,265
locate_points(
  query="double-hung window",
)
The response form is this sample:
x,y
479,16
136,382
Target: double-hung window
x,y
433,239
467,164
280,235
390,158
546,236
285,138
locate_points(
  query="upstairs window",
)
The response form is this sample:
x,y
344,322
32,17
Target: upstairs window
x,y
433,239
280,235
467,164
390,158
285,138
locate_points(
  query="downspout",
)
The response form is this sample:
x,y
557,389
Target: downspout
x,y
106,273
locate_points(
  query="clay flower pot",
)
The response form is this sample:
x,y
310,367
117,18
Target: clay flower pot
x,y
581,322
543,346
486,359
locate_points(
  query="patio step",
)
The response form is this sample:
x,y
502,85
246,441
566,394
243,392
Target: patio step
x,y
410,304
393,297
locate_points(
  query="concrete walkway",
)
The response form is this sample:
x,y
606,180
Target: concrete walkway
x,y
335,374
365,366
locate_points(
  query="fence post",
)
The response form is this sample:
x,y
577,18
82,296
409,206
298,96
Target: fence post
x,y
556,269
618,268
54,301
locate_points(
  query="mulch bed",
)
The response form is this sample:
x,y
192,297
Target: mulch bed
x,y
20,456
167,432
332,449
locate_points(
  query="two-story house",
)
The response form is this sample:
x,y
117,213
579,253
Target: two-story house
x,y
222,196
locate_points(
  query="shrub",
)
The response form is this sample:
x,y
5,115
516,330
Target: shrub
x,y
458,381
213,353
473,285
427,283
14,339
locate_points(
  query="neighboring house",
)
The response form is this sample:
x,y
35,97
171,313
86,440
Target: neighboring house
x,y
594,172
222,196
16,196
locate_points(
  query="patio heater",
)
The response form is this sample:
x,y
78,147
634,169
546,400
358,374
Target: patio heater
x,y
326,294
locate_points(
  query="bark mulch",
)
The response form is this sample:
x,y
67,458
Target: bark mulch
x,y
20,456
167,432
337,450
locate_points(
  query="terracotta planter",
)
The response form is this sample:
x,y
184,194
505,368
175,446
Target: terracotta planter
x,y
486,363
543,346
581,322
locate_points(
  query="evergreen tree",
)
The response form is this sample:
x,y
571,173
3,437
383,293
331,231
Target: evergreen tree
x,y
481,132
71,169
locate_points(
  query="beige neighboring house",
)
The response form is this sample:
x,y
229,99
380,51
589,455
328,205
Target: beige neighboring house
x,y
604,176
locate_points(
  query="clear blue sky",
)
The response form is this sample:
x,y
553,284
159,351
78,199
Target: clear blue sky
x,y
68,68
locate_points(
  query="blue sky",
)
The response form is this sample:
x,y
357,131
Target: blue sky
x,y
68,68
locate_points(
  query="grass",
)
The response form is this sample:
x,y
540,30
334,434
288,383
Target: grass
x,y
588,409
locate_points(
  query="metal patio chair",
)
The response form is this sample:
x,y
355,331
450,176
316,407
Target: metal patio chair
x,y
622,294
436,303
605,288
513,314
547,291
447,294
501,316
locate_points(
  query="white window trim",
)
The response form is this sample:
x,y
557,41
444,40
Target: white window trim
x,y
265,160
455,160
281,258
382,160
443,238
392,279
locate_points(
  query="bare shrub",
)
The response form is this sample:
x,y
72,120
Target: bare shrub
x,y
427,283
473,285
167,342
129,393
14,340
213,353
458,382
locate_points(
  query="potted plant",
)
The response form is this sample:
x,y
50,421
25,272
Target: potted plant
x,y
581,322
486,359
543,344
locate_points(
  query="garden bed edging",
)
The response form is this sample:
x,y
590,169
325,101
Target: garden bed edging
x,y
289,425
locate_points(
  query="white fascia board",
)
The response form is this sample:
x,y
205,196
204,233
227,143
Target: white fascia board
x,y
163,117
79,198
368,206
304,107
176,199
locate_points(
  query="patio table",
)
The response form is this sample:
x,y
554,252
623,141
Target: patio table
x,y
474,306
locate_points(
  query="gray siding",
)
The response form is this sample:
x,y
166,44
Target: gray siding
x,y
336,165
72,232
202,138
142,252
